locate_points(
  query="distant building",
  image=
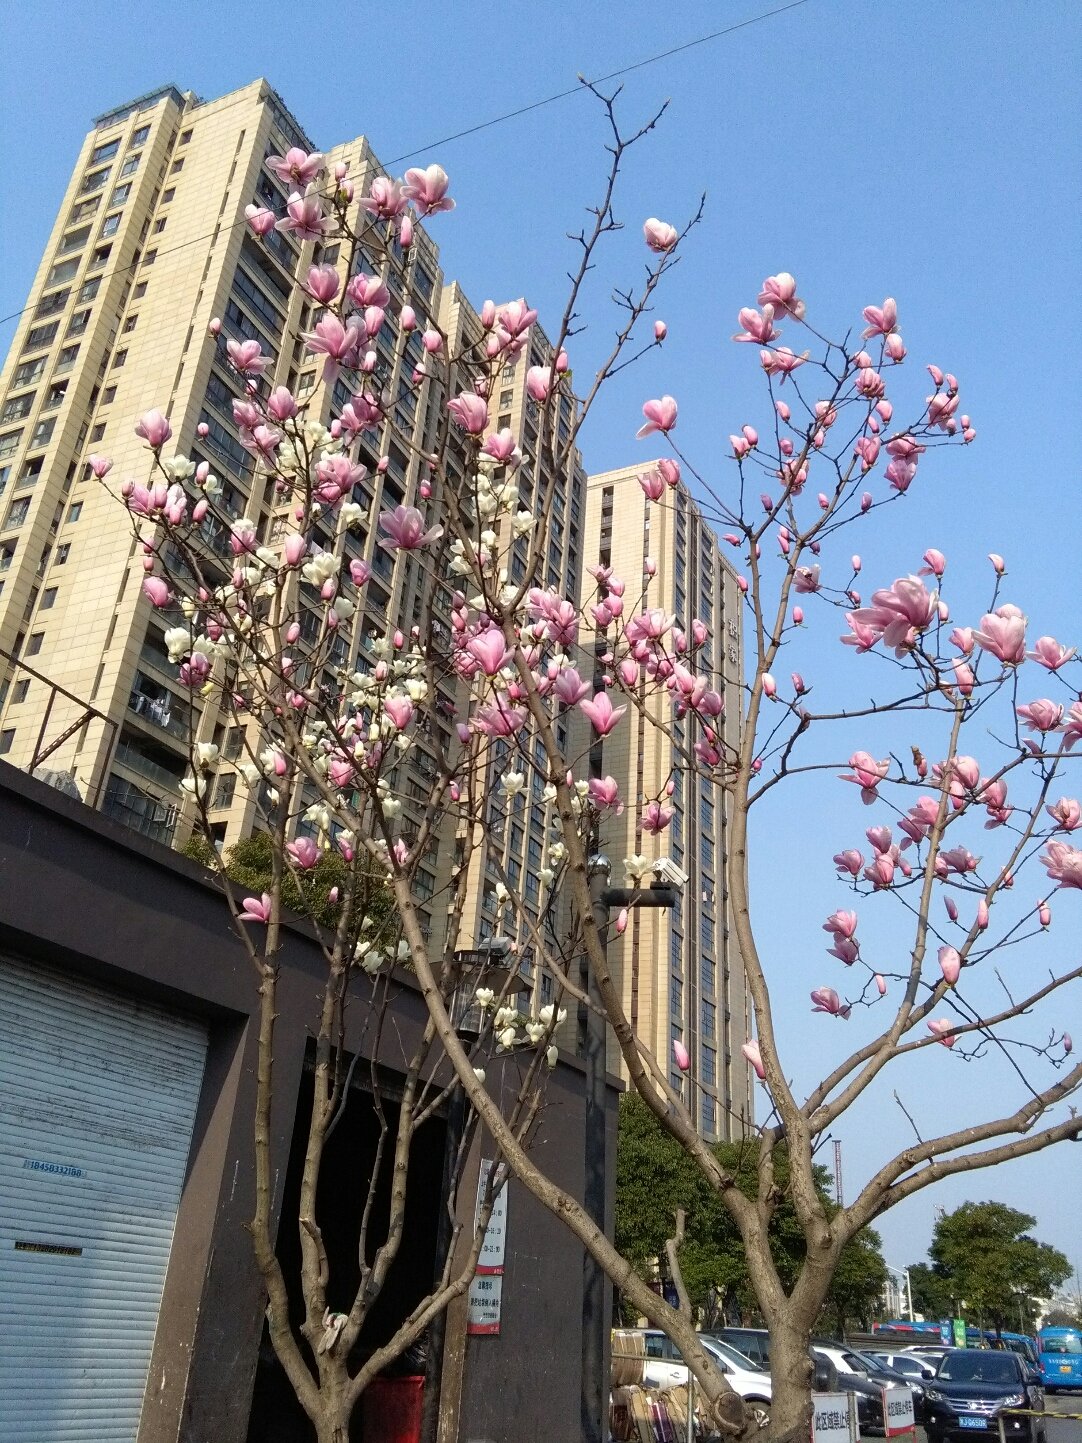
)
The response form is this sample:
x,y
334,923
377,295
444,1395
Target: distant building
x,y
680,971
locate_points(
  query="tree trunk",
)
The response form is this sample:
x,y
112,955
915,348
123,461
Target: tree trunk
x,y
791,1371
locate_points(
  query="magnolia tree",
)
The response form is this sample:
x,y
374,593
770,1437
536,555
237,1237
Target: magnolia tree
x,y
967,849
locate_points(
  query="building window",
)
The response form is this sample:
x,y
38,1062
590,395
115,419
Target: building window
x,y
89,289
43,432
707,1021
9,442
7,740
129,324
17,513
105,151
159,226
131,165
61,272
119,359
75,510
75,240
20,690
176,167
121,194
7,554
41,336
34,645
67,358
140,137
99,258
62,553
48,599
150,258
95,180
18,407
83,209
140,291
99,429
78,323
710,1066
223,791
109,395
185,136
55,395
168,196
28,373
110,227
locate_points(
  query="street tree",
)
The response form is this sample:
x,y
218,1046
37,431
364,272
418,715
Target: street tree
x,y
930,1292
955,731
985,1256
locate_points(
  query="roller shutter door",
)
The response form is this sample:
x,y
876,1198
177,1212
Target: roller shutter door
x,y
98,1093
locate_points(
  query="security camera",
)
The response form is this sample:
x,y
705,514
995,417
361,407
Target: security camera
x,y
666,870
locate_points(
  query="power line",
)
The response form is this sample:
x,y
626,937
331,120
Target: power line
x,y
488,124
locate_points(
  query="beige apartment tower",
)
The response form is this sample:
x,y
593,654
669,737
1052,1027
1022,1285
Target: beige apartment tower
x,y
680,971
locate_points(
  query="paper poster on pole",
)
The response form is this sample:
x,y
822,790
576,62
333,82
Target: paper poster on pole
x,y
834,1418
485,1299
898,1412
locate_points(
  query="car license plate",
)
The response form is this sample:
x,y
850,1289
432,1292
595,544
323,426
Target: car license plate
x,y
973,1422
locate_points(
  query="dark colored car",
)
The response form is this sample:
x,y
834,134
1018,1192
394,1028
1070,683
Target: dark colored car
x,y
885,1374
972,1391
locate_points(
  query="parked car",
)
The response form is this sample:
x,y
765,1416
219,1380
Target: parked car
x,y
665,1368
972,1391
844,1379
880,1371
754,1343
916,1369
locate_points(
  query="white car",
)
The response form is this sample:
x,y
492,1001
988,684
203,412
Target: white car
x,y
664,1368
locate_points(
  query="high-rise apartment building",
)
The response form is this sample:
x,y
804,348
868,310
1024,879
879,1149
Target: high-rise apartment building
x,y
679,970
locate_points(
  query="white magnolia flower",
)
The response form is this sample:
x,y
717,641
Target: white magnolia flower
x,y
349,513
372,961
637,867
549,793
507,1039
522,523
512,783
505,1017
557,852
549,1011
479,1073
205,755
178,641
547,876
535,1031
484,997
552,1056
250,772
197,787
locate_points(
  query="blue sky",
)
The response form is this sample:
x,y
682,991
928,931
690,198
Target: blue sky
x,y
923,151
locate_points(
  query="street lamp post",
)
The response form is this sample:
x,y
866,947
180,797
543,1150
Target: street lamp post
x,y
904,1297
604,899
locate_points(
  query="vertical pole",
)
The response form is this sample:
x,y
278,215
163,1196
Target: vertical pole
x,y
594,1384
691,1407
437,1332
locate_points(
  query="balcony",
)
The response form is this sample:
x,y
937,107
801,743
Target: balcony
x,y
137,810
150,702
138,761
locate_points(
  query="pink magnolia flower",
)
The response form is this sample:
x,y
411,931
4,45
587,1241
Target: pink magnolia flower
x,y
755,1060
846,949
660,416
1072,727
539,382
1064,864
154,428
260,220
1066,813
1003,633
385,199
849,862
247,358
964,677
470,411
296,169
405,529
806,580
605,794
779,292
255,909
569,687
489,650
935,561
758,328
659,235
1042,715
943,1030
322,283
655,817
428,189
780,362
825,999
400,711
680,1053
338,343
999,566
306,219
867,774
881,319
1049,653
950,964
515,318
898,613
653,485
601,713
304,851
842,924
100,466
497,719
157,591
955,861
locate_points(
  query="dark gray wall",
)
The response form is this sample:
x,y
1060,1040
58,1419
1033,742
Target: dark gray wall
x,y
78,891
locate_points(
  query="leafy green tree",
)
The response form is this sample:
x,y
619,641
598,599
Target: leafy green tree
x,y
985,1254
655,1176
931,1293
